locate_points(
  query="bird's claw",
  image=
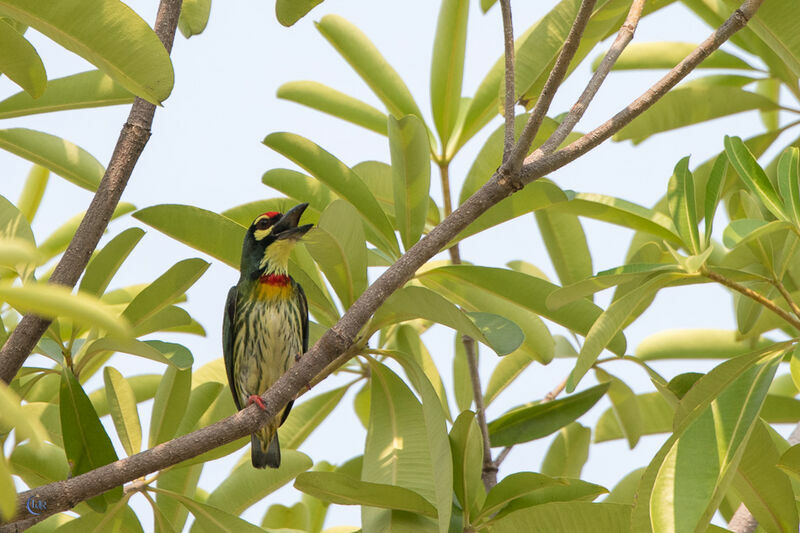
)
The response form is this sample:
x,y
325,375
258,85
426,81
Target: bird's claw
x,y
256,399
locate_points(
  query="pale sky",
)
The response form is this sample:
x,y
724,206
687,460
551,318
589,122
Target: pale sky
x,y
206,151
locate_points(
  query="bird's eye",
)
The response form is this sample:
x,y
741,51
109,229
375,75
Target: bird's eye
x,y
263,224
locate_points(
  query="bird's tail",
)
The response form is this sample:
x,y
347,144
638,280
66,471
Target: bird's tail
x,y
265,452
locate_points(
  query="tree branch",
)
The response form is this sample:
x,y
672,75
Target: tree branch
x,y
510,89
132,140
63,495
539,111
624,37
489,470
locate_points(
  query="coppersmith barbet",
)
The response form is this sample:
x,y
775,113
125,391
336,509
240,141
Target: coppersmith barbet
x,y
265,327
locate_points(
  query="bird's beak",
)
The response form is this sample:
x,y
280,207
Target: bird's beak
x,y
287,228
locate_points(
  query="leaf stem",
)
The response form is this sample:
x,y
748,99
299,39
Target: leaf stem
x,y
788,297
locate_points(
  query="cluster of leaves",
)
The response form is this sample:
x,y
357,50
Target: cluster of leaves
x,y
420,469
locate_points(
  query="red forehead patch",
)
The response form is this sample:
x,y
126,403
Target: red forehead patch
x,y
270,214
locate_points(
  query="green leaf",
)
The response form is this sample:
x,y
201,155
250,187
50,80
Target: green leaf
x,y
59,240
611,323
512,487
666,54
774,26
411,175
520,289
769,88
106,262
622,213
680,199
753,176
209,518
763,487
692,104
340,105
447,65
39,467
418,302
532,422
177,480
86,443
213,234
697,344
462,384
566,517
340,178
60,156
194,17
789,181
32,193
714,188
17,253
280,516
78,91
466,444
128,50
345,490
568,452
122,404
368,63
566,244
307,416
13,224
337,245
165,290
790,461
169,405
625,406
13,416
656,414
246,486
20,62
57,301
290,11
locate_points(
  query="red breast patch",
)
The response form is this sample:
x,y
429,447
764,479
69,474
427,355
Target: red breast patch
x,y
280,280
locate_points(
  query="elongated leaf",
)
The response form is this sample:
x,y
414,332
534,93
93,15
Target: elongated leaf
x,y
566,244
78,91
462,384
340,178
85,441
323,98
447,65
290,11
789,181
528,423
127,49
122,404
368,62
307,416
165,290
194,17
106,262
209,518
714,187
59,240
611,323
57,301
345,490
696,344
665,54
568,452
753,176
338,246
60,156
13,224
411,175
246,486
20,62
682,206
526,291
624,405
567,517
467,447
32,193
418,302
177,480
280,516
13,416
216,235
169,404
39,467
515,486
774,27
691,104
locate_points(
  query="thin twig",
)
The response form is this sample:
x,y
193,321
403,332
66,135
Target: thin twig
x,y
447,201
502,456
555,78
624,37
489,471
788,297
753,295
132,140
62,495
510,89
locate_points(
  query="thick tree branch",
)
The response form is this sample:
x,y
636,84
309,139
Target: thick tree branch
x,y
555,78
510,89
65,494
131,142
624,37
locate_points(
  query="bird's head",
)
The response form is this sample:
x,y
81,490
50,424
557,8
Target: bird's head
x,y
269,241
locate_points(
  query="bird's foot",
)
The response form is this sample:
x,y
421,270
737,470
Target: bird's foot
x,y
256,399
297,357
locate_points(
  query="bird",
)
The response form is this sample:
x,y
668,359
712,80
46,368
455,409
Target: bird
x,y
265,324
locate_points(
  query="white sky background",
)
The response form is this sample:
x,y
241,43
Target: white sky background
x,y
206,151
